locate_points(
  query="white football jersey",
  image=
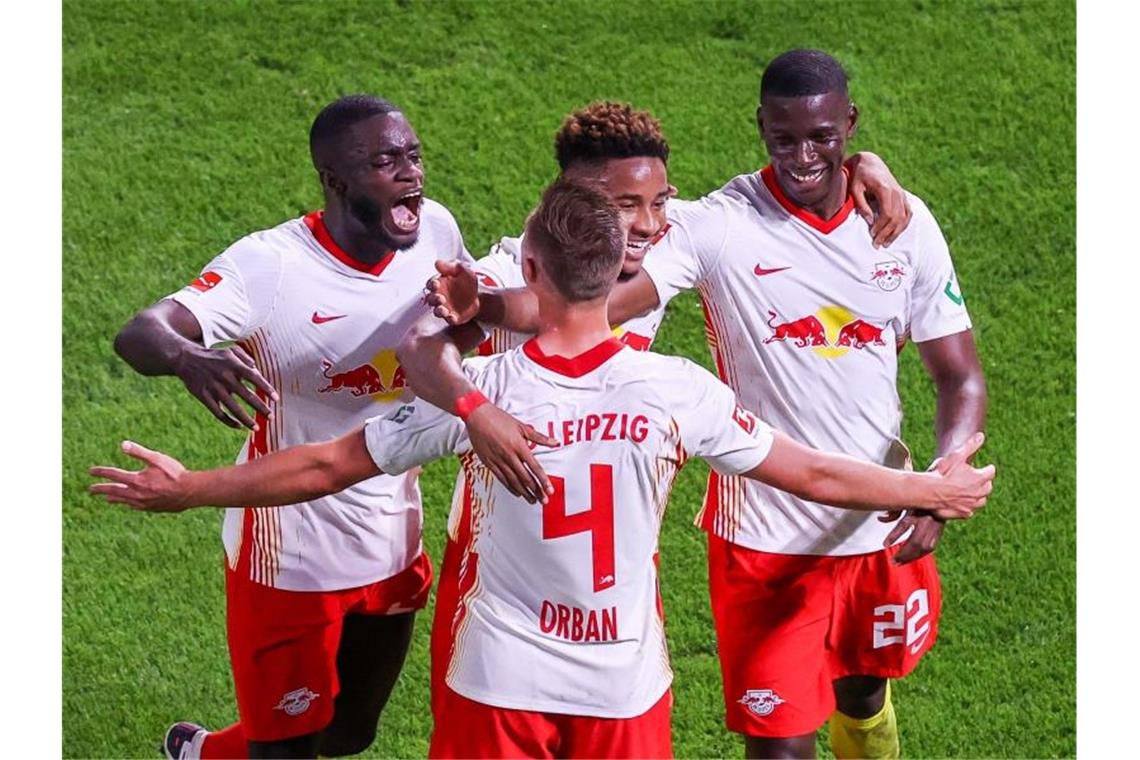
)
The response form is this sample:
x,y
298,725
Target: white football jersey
x,y
323,329
558,609
502,268
805,320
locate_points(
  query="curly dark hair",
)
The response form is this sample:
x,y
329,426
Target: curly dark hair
x,y
606,130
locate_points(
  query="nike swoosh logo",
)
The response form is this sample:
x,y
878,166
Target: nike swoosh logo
x,y
319,320
761,271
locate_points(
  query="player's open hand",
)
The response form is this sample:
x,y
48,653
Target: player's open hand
x,y
962,489
216,376
453,293
503,445
159,487
878,196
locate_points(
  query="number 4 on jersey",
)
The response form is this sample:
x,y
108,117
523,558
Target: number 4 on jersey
x,y
598,521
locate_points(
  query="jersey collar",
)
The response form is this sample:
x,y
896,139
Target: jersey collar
x,y
816,222
575,366
316,224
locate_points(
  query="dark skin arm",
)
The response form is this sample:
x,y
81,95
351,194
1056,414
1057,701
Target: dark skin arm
x,y
166,339
952,362
431,354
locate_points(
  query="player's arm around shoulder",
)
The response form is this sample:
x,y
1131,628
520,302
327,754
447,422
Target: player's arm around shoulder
x,y
432,356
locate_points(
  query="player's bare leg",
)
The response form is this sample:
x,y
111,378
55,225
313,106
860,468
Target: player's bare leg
x,y
779,748
368,661
864,725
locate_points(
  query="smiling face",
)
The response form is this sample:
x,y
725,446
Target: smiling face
x,y
638,187
378,176
806,137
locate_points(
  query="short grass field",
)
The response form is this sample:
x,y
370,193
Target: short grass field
x,y
185,127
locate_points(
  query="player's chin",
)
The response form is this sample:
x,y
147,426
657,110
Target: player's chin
x,y
634,258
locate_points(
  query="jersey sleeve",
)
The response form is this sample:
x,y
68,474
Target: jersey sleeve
x,y
235,293
412,435
418,432
500,268
937,306
685,256
715,427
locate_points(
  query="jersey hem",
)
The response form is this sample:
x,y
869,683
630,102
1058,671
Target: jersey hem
x,y
341,584
560,708
758,546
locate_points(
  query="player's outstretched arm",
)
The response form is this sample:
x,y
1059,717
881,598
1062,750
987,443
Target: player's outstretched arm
x,y
842,481
299,473
166,339
878,196
432,360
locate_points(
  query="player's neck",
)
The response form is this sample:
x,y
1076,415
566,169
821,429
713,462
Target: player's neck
x,y
353,238
571,329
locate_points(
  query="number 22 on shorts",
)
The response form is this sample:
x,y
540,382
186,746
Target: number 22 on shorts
x,y
913,616
598,521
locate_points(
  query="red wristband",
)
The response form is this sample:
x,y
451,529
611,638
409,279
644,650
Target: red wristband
x,y
468,403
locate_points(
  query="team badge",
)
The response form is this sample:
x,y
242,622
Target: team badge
x,y
888,275
297,701
761,701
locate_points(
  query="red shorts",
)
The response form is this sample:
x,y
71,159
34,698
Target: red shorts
x,y
473,729
787,626
283,646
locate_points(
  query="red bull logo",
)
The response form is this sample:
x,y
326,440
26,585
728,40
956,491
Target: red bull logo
x,y
383,378
805,331
859,333
830,332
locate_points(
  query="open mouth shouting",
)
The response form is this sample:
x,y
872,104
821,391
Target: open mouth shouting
x,y
405,212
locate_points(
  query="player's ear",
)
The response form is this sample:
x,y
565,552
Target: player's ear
x,y
760,120
852,120
529,268
331,182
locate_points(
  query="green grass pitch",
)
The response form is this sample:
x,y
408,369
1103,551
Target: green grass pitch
x,y
185,127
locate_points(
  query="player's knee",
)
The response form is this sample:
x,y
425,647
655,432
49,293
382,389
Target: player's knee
x,y
779,748
860,696
347,740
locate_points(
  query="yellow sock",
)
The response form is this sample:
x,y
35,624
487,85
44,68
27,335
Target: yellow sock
x,y
874,738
